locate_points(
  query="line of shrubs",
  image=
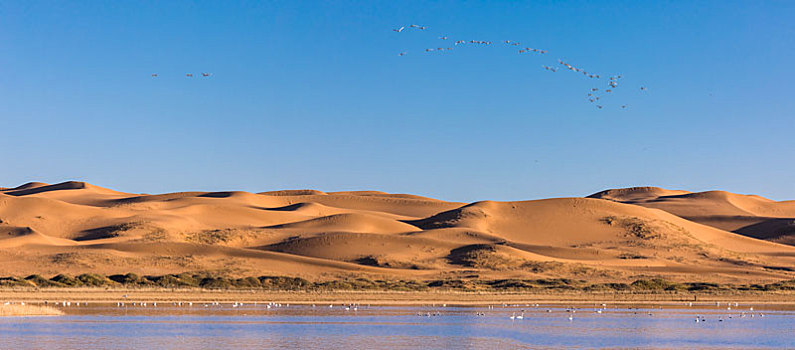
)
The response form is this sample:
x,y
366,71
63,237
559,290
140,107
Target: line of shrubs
x,y
209,281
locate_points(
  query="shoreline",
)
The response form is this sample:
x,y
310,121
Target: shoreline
x,y
27,310
380,297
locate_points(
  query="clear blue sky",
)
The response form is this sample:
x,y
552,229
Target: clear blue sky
x,y
310,94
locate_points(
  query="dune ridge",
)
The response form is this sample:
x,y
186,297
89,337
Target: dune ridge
x,y
614,235
748,215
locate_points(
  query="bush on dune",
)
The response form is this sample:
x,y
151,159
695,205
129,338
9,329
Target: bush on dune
x,y
207,280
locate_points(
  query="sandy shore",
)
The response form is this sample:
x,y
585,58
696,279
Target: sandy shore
x,y
22,309
377,298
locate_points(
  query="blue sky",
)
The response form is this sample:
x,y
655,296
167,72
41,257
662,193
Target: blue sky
x,y
310,94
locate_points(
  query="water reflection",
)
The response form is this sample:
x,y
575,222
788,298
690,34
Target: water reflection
x,y
107,326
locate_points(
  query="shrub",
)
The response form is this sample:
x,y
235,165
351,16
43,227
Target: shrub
x,y
215,283
94,280
653,284
41,282
66,280
15,282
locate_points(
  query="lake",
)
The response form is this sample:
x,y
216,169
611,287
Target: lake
x,y
205,326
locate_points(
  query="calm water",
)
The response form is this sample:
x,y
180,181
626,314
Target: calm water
x,y
256,326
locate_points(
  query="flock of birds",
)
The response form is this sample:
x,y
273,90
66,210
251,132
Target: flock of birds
x,y
594,96
570,311
188,75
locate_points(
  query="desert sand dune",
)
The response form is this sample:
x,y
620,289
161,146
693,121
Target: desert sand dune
x,y
361,223
749,215
616,235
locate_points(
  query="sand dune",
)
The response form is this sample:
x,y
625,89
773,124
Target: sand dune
x,y
615,235
749,215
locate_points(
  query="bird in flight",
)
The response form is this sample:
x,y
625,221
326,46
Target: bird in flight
x,y
154,75
189,75
612,83
205,74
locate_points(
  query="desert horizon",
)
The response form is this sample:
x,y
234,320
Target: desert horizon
x,y
615,235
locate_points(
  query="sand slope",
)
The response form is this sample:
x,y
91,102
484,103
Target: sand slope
x,y
617,235
749,215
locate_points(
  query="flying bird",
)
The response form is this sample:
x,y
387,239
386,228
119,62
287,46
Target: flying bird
x,y
552,69
154,75
205,74
189,75
612,82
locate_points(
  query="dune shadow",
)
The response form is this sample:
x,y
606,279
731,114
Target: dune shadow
x,y
69,185
771,228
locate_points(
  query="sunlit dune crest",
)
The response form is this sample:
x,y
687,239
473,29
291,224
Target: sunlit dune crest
x,y
614,235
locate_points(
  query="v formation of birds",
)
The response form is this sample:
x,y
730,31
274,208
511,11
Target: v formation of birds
x,y
594,95
188,75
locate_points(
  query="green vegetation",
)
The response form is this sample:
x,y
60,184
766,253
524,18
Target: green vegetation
x,y
635,227
210,281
